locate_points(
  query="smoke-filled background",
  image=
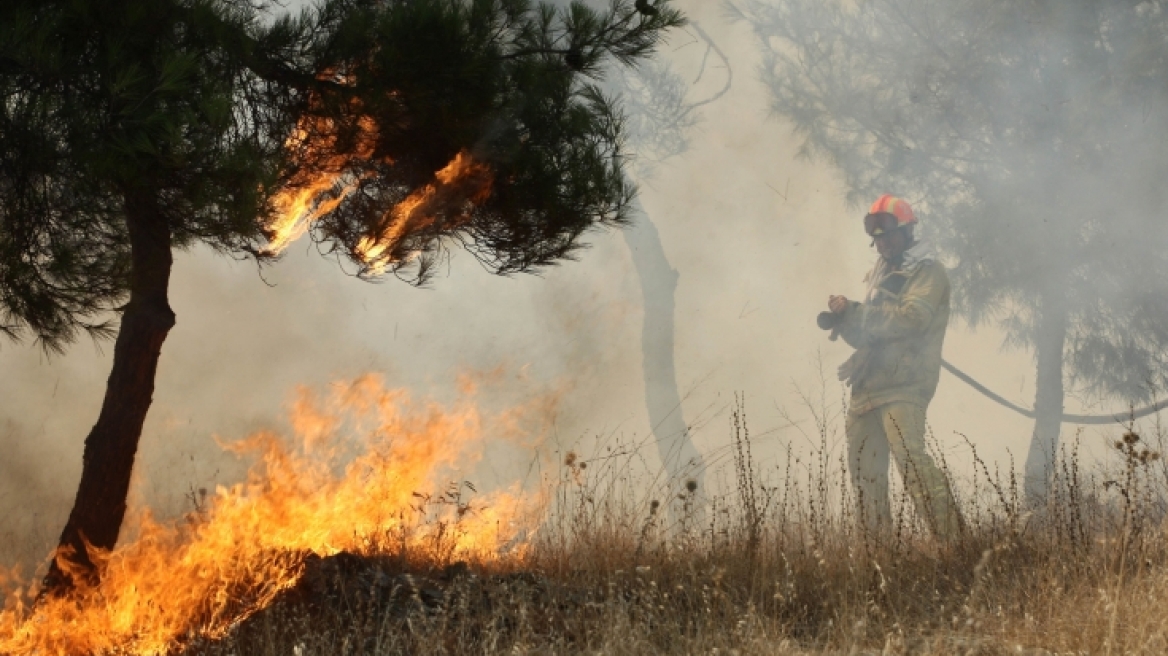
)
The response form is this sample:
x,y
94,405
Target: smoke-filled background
x,y
758,236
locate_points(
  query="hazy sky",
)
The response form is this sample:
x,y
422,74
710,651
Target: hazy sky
x,y
759,237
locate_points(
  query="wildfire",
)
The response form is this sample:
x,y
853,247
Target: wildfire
x,y
317,190
459,185
199,577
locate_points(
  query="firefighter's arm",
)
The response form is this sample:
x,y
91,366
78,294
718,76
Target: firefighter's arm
x,y
850,326
912,313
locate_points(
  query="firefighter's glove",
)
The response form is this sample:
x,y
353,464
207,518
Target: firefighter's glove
x,y
855,369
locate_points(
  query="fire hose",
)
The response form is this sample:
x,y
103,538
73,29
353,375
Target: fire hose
x,y
830,321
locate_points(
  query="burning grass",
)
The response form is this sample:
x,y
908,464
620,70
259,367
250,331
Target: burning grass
x,y
777,565
776,570
321,493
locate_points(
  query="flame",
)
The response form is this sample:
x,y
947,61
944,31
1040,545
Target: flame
x,y
461,182
176,581
319,189
313,193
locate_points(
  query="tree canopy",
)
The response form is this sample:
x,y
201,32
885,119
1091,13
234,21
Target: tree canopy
x,y
224,113
1029,135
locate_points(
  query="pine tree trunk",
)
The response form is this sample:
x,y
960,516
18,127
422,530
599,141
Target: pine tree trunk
x,y
679,456
100,504
1048,401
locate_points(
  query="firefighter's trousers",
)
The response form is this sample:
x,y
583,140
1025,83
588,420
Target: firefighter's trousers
x,y
898,428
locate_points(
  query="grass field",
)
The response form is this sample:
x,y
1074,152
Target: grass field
x,y
767,568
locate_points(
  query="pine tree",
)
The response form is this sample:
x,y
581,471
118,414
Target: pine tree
x,y
389,130
661,114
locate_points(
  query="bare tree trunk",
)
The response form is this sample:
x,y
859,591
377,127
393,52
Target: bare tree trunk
x,y
1048,401
679,456
100,505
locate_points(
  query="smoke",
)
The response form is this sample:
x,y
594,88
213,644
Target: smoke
x,y
760,236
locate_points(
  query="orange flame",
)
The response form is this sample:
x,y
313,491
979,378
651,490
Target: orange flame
x,y
461,183
313,193
180,580
317,190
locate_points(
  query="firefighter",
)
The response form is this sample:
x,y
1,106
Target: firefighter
x,y
897,332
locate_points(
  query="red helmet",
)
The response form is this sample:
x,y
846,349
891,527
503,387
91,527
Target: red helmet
x,y
888,213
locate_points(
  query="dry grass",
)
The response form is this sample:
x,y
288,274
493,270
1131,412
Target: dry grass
x,y
778,568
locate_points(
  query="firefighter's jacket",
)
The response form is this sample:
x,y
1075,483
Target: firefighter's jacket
x,y
897,333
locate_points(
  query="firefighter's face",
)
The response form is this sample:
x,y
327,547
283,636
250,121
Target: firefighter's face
x,y
892,244
888,236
